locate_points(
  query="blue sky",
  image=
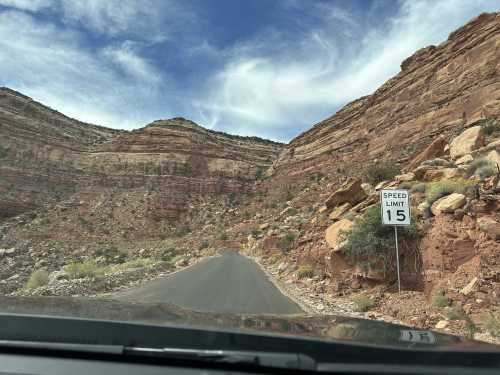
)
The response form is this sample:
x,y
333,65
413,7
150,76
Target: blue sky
x,y
256,67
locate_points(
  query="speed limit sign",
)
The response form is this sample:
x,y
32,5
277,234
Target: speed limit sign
x,y
395,210
395,207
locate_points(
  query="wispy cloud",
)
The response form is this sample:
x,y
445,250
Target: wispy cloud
x,y
299,83
124,63
29,5
57,69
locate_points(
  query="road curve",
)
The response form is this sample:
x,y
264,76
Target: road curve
x,y
230,283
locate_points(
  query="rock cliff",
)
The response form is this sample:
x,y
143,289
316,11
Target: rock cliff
x,y
46,156
439,90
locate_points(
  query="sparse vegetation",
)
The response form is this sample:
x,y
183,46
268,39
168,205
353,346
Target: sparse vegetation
x,y
78,270
492,324
491,128
223,236
457,313
419,187
482,168
440,189
441,301
37,279
363,304
407,185
381,171
305,270
371,244
286,241
203,245
134,263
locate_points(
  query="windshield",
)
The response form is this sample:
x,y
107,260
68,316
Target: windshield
x,y
327,170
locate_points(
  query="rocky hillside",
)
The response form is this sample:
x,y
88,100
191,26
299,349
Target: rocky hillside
x,y
439,90
46,156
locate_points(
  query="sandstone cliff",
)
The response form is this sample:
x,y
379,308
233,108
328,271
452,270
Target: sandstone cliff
x,y
46,156
440,90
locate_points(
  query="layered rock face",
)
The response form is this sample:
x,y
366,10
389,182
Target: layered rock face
x,y
440,90
46,156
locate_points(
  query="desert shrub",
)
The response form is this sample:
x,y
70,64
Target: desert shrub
x,y
492,324
370,243
481,167
134,263
381,171
363,304
203,245
305,270
419,187
88,268
456,313
440,189
492,128
37,279
286,241
441,301
407,185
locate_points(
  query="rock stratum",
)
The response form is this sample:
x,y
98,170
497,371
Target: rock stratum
x,y
46,156
439,90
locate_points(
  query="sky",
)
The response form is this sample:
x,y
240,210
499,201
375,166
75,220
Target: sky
x,y
265,68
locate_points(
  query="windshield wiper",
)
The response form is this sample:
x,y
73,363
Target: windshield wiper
x,y
262,359
265,359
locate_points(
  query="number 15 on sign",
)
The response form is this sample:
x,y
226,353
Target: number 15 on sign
x,y
395,210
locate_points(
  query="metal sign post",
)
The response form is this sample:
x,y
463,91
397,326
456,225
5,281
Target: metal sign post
x,y
397,256
395,210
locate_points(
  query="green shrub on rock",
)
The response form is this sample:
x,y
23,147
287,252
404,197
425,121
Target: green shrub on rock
x,y
482,168
369,243
381,171
440,189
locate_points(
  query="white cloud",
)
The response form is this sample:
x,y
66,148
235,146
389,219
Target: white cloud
x,y
57,69
271,88
29,5
127,58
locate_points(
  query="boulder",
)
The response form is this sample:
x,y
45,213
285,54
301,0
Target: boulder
x,y
350,192
490,226
368,188
469,287
494,157
339,211
434,150
264,226
470,140
334,232
444,173
464,159
406,177
448,204
442,324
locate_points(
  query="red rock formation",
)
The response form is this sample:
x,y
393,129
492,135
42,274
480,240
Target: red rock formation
x,y
45,156
440,90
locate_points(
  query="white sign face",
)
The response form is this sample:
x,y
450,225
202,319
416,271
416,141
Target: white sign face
x,y
395,206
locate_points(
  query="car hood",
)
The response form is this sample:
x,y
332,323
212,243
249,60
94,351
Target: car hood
x,y
325,328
